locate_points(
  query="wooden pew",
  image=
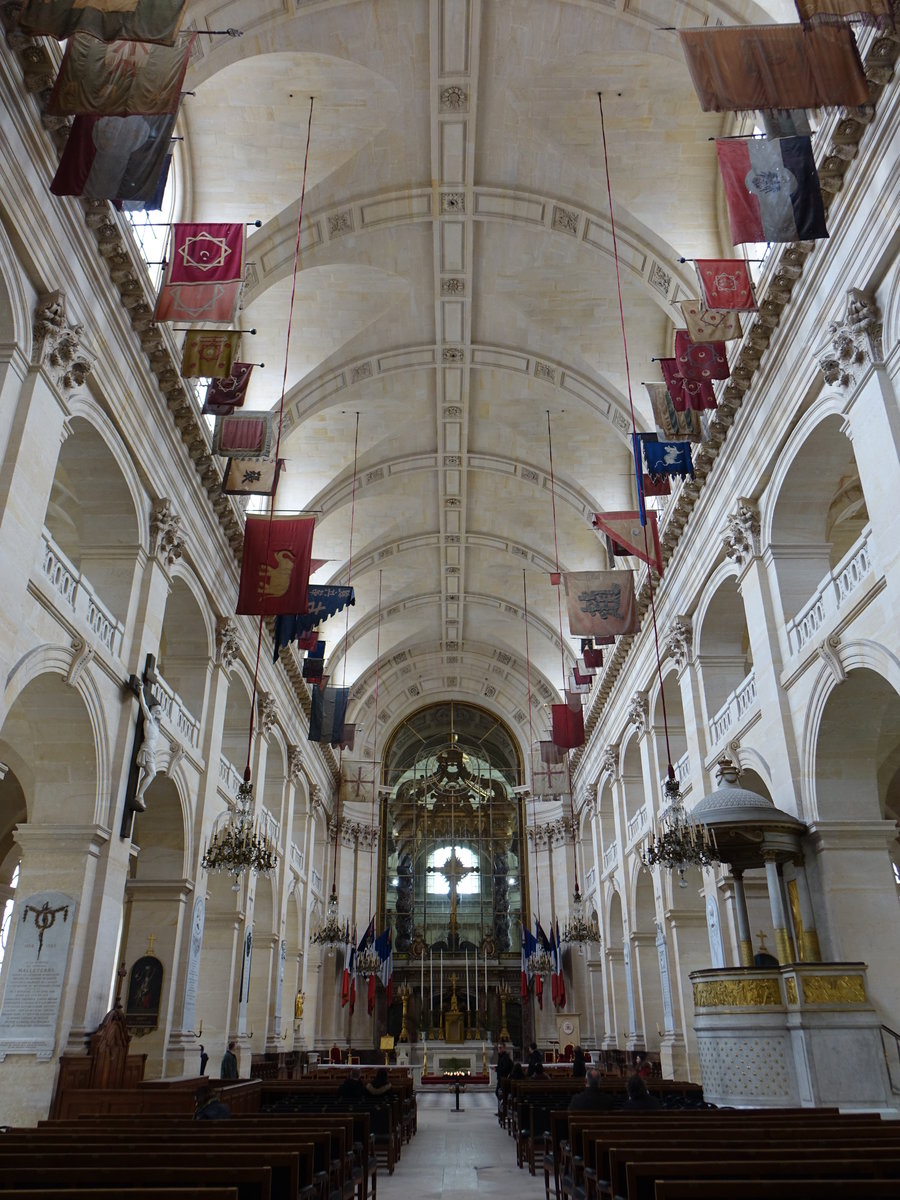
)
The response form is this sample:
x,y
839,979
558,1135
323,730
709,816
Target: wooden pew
x,y
777,1189
866,1164
92,1193
247,1183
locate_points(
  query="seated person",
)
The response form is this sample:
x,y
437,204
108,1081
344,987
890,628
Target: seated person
x,y
579,1065
517,1072
639,1098
592,1097
334,1054
380,1085
353,1088
210,1106
535,1060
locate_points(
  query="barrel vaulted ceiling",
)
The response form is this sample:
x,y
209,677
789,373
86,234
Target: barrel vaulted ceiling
x,y
456,282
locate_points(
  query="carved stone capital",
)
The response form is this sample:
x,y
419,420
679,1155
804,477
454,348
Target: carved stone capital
x,y
295,764
166,541
741,535
227,644
639,711
856,341
58,344
268,712
609,761
354,833
679,640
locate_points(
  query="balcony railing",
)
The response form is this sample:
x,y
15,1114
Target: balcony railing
x,y
177,713
78,597
316,881
610,854
230,777
832,594
589,879
731,716
296,858
637,823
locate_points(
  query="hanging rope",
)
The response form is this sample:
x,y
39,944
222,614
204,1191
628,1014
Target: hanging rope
x,y
375,739
562,650
638,471
287,352
537,875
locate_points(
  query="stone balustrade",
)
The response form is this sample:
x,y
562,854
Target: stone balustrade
x,y
832,594
730,718
78,598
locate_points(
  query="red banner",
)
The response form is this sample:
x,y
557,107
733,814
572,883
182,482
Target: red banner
x,y
275,565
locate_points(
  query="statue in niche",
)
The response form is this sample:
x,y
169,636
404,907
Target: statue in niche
x,y
501,902
405,904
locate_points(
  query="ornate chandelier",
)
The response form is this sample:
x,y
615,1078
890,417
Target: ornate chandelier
x,y
577,931
333,932
238,846
369,962
540,962
681,842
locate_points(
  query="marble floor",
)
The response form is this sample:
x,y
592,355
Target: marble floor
x,y
456,1154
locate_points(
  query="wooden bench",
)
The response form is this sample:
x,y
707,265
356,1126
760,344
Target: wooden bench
x,y
92,1193
247,1183
643,1176
776,1189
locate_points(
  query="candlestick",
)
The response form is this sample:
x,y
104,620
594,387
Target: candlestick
x,y
422,979
476,989
441,996
468,1009
431,974
485,975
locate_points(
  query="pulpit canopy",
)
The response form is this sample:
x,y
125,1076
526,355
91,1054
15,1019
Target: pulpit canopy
x,y
748,827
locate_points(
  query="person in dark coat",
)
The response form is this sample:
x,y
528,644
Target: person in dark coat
x,y
210,1106
353,1088
229,1067
579,1065
639,1097
380,1085
504,1065
592,1098
204,1059
535,1061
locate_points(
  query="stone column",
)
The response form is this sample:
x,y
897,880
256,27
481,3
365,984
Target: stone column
x,y
779,918
809,938
745,938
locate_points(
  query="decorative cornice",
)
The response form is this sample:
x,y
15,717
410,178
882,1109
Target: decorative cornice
x,y
740,538
551,833
639,711
296,772
355,833
58,346
609,761
166,542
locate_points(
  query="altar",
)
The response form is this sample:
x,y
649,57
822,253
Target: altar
x,y
443,1058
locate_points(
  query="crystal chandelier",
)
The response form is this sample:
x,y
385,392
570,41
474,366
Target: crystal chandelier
x,y
369,962
239,846
681,843
333,932
540,962
577,931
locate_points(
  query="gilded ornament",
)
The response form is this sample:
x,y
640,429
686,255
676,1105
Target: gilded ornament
x,y
834,989
791,986
737,993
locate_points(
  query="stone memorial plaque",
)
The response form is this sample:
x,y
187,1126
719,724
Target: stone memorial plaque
x,y
37,970
189,1012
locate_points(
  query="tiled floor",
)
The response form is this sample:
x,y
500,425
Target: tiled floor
x,y
456,1154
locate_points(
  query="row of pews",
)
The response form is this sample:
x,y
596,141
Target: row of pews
x,y
285,1140
678,1152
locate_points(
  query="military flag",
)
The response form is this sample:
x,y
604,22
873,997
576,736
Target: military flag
x,y
551,754
229,392
243,435
693,394
152,203
726,284
568,726
593,657
114,158
323,601
328,709
700,360
771,189
107,20
656,485
707,325
210,353
667,458
672,423
738,68
549,777
626,530
600,603
119,79
866,12
252,476
204,273
275,565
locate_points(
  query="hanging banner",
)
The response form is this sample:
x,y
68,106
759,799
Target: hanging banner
x,y
771,189
686,393
119,79
705,325
700,360
115,158
673,424
568,726
252,476
211,354
275,565
600,603
243,435
739,68
726,284
626,530
107,20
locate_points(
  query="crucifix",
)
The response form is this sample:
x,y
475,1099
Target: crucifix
x,y
146,741
454,871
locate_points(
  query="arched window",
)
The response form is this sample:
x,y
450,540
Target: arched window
x,y
440,869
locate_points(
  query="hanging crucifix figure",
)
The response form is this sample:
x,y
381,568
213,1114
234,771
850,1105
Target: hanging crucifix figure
x,y
454,871
146,743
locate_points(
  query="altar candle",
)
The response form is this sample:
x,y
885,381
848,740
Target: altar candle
x,y
485,975
476,986
422,979
441,996
467,980
431,974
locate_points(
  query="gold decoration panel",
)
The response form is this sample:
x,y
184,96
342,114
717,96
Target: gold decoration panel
x,y
737,993
834,989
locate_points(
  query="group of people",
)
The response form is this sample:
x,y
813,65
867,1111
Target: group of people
x,y
593,1097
